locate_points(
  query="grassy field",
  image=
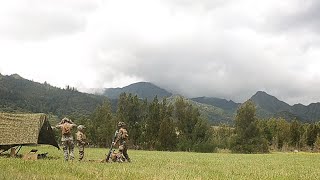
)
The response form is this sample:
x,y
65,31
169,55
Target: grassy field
x,y
163,165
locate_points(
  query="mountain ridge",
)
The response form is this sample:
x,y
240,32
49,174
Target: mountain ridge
x,y
17,93
268,106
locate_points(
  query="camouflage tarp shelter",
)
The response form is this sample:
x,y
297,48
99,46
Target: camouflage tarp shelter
x,y
25,129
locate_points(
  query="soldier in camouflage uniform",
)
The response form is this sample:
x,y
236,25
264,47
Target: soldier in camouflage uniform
x,y
66,126
81,141
121,136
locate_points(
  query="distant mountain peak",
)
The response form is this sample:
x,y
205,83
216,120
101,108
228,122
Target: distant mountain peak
x,y
141,85
16,76
261,96
269,103
142,82
141,89
261,93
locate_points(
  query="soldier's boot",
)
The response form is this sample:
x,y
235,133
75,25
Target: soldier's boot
x,y
126,156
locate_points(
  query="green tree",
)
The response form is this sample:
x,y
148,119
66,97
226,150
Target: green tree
x,y
130,111
222,136
202,136
101,128
248,138
167,134
317,144
295,133
276,131
186,117
312,133
153,124
194,133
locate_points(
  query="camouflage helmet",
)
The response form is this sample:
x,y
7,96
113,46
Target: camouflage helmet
x,y
81,127
66,120
121,124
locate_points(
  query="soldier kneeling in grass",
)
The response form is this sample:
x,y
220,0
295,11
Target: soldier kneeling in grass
x,y
81,141
117,157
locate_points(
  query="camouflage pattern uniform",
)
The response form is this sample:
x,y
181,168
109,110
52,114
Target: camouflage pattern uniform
x,y
67,138
121,136
81,141
117,157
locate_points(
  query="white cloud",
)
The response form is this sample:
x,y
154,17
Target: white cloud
x,y
42,19
218,48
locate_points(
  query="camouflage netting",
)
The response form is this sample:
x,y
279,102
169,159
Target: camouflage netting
x,y
25,129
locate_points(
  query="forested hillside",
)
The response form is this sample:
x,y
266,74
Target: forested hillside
x,y
224,104
21,95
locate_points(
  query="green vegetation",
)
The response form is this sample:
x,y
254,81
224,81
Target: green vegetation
x,y
248,137
209,111
22,95
178,126
164,165
152,125
175,124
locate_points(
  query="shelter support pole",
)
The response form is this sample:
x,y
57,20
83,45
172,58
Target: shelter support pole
x,y
18,149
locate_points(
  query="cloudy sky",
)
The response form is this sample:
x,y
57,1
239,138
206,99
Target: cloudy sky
x,y
221,48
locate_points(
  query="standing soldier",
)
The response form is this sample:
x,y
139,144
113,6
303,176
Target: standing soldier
x,y
121,136
81,141
66,126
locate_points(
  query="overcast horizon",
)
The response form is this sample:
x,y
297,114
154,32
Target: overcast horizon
x,y
215,48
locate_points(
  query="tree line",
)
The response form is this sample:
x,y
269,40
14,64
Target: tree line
x,y
155,125
177,126
253,135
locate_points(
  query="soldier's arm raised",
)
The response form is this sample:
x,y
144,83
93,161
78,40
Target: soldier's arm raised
x,y
58,126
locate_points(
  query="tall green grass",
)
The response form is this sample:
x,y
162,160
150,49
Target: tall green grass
x,y
163,165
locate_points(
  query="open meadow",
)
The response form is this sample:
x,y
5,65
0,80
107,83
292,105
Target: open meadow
x,y
163,165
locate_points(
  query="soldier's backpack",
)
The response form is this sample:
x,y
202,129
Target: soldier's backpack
x,y
66,129
124,133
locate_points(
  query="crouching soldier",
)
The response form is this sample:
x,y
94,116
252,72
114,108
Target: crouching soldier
x,y
121,136
117,157
66,126
81,141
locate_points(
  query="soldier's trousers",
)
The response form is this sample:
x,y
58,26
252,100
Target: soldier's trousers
x,y
81,151
123,149
68,147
